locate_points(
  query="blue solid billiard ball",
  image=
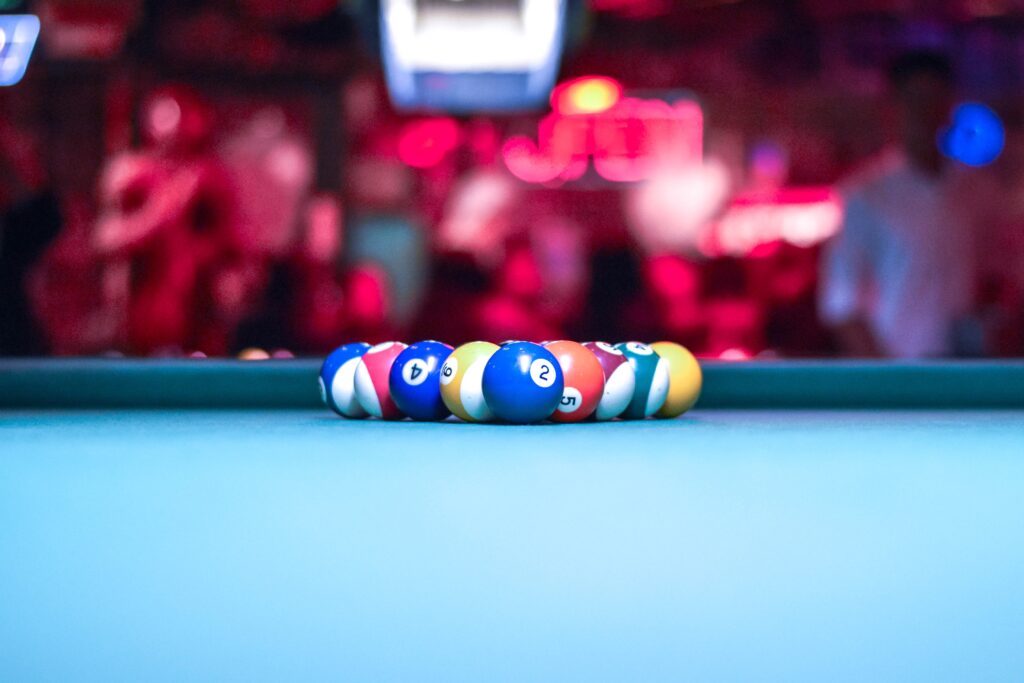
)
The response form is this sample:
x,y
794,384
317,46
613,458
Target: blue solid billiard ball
x,y
338,378
415,380
522,383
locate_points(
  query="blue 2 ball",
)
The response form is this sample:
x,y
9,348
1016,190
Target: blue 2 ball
x,y
523,383
415,380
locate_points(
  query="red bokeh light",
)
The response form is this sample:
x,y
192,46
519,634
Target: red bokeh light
x,y
626,143
425,143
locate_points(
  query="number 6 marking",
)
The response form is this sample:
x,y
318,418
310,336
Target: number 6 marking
x,y
448,370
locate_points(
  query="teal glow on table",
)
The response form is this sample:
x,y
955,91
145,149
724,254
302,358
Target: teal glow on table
x,y
841,537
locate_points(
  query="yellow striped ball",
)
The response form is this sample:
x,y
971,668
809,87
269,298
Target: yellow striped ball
x,y
462,381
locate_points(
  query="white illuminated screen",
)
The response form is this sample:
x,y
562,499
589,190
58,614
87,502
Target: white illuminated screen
x,y
18,34
502,51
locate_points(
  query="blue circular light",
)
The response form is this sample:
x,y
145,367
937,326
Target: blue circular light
x,y
976,136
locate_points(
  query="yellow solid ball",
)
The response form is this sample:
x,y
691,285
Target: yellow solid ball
x,y
684,379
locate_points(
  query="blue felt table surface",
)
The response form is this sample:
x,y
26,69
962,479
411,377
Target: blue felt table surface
x,y
728,545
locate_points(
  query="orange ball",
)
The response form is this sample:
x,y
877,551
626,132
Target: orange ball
x,y
584,381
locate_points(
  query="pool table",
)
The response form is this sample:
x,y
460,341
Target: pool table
x,y
808,521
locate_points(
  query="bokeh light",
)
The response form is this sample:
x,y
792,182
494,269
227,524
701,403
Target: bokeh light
x,y
976,137
586,95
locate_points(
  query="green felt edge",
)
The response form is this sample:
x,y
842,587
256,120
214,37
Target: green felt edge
x,y
101,383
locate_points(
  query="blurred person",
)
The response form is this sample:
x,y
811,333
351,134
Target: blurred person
x,y
525,296
735,328
271,169
783,277
29,221
384,227
310,303
674,288
562,250
735,315
368,304
899,278
69,287
512,309
616,306
166,231
479,215
318,310
448,310
1002,278
669,216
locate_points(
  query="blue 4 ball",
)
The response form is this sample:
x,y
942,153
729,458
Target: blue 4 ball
x,y
414,380
522,383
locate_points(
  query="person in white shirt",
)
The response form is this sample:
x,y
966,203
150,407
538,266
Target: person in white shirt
x,y
899,277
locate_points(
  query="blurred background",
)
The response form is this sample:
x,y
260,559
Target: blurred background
x,y
748,178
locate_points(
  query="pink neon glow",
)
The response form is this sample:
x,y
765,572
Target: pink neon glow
x,y
629,142
799,216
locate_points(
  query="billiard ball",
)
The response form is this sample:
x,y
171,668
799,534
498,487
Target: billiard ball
x,y
522,383
684,379
415,380
651,380
584,381
372,373
619,380
462,381
338,379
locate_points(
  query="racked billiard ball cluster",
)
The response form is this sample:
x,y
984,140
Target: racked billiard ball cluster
x,y
517,382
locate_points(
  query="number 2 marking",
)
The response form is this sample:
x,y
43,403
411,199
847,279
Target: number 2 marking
x,y
542,373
